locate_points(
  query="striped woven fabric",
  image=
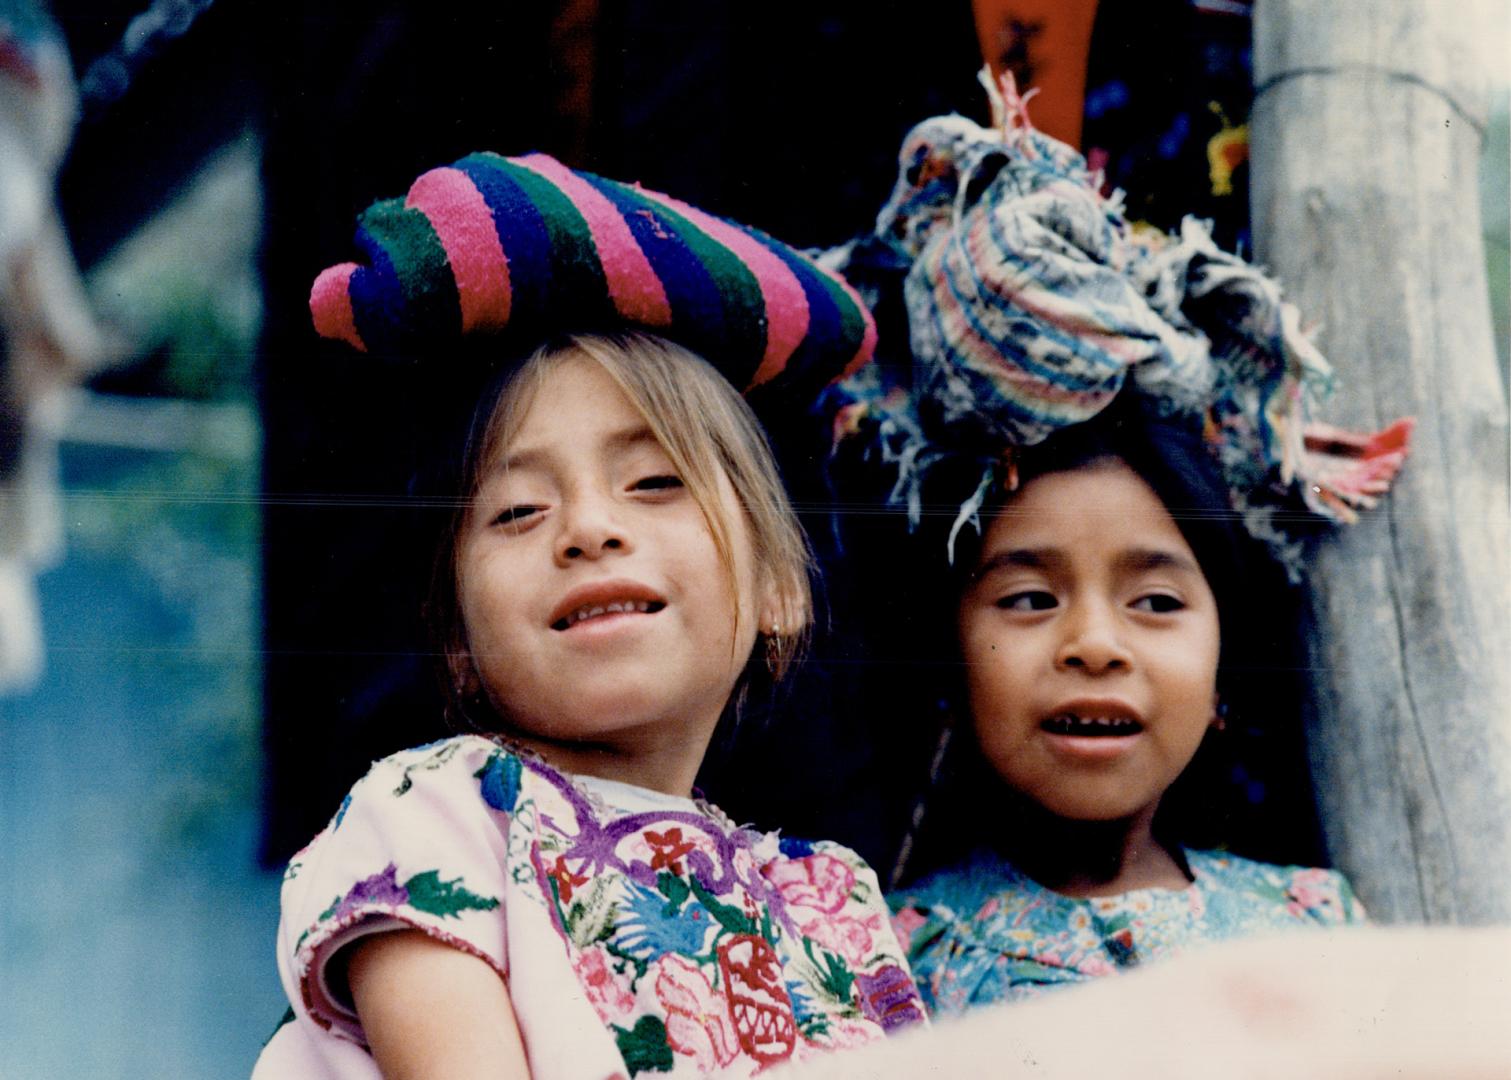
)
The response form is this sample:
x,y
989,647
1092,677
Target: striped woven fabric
x,y
1032,303
529,248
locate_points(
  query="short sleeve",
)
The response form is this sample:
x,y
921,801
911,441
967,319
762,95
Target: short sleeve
x,y
421,843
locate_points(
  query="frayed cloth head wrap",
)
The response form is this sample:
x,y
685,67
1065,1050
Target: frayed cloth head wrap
x,y
528,249
1032,303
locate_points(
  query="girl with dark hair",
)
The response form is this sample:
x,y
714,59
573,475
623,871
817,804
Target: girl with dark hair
x,y
1123,424
1095,623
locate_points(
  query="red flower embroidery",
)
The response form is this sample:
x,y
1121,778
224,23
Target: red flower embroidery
x,y
668,849
566,881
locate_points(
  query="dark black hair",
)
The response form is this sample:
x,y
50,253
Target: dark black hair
x,y
1248,787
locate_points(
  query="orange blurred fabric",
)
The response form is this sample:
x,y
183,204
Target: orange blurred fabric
x,y
1045,43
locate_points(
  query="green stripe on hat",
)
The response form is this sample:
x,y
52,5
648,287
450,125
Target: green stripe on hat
x,y
742,337
427,293
575,268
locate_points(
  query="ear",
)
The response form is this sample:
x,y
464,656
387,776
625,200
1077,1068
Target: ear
x,y
462,672
782,610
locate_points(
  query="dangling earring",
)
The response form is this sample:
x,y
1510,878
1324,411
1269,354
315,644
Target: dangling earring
x,y
1220,716
774,649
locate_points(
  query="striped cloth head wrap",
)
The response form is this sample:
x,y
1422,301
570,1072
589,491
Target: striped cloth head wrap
x,y
527,248
1032,303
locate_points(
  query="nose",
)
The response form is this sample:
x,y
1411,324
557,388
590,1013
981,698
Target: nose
x,y
1092,641
591,527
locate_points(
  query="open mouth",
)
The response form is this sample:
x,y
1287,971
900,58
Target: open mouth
x,y
612,607
1090,726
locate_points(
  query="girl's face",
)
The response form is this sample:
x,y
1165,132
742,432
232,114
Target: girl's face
x,y
1090,638
595,602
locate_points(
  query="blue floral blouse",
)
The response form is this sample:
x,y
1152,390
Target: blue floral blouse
x,y
985,932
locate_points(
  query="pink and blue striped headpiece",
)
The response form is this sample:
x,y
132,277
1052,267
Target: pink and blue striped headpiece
x,y
527,248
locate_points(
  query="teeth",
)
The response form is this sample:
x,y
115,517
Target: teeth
x,y
615,607
1069,723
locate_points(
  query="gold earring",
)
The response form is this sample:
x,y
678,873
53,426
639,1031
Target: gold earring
x,y
774,648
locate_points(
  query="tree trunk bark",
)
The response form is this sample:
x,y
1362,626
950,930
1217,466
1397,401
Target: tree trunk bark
x,y
1366,132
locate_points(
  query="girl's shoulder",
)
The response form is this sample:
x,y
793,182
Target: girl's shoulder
x,y
1303,893
965,886
805,868
466,768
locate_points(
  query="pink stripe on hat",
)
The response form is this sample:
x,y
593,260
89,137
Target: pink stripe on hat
x,y
633,285
786,303
463,222
331,305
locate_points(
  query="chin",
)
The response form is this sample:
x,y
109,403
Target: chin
x,y
589,722
1090,811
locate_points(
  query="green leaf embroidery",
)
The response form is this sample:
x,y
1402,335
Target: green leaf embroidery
x,y
675,889
448,899
834,977
728,916
591,916
426,764
645,1048
640,966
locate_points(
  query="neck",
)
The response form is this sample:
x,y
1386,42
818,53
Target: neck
x,y
1091,858
649,759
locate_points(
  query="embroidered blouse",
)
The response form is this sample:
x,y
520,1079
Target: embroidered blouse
x,y
638,932
985,932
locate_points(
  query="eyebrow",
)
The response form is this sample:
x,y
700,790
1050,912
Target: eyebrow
x,y
530,458
1157,559
1030,558
1048,558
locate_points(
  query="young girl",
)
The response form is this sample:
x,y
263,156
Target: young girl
x,y
1116,406
549,897
1102,631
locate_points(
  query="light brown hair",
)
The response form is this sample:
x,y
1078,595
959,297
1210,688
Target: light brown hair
x,y
704,426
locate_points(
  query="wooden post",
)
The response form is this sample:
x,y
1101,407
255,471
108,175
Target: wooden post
x,y
1366,129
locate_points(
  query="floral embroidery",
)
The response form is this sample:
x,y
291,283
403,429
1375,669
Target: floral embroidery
x,y
608,991
846,935
699,945
697,1019
566,881
821,882
669,848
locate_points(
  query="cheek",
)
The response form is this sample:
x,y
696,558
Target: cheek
x,y
994,680
485,607
993,655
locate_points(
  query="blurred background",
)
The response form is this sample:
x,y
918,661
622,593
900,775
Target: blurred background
x,y
208,573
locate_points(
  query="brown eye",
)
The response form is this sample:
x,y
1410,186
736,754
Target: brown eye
x,y
514,515
659,482
1159,603
1028,600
